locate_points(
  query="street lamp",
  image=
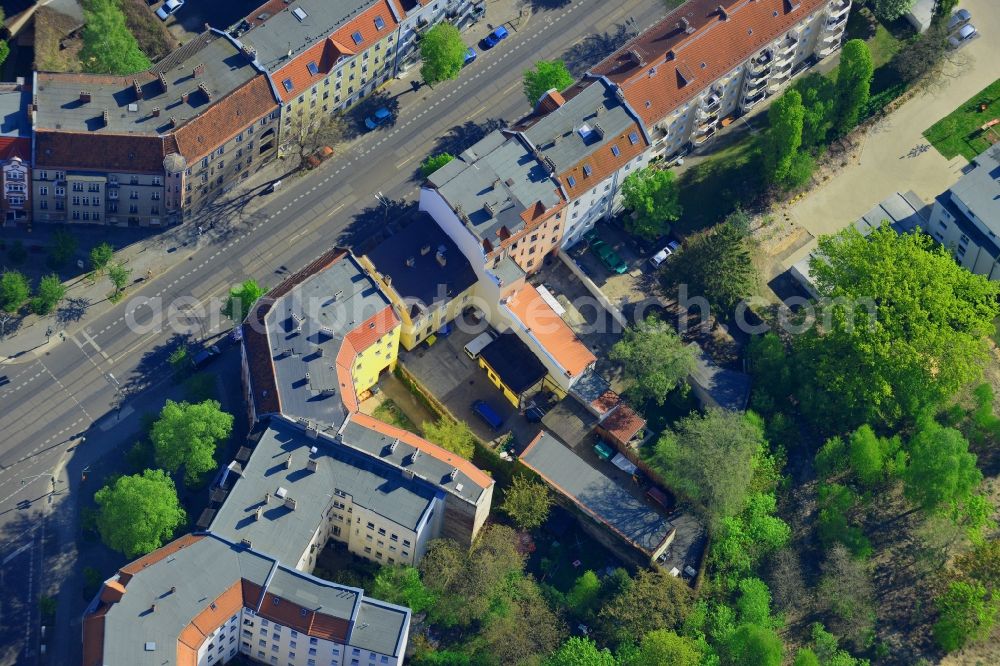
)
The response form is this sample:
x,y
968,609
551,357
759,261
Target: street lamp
x,y
48,334
381,198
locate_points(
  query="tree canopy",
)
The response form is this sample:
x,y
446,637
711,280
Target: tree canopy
x,y
967,613
442,52
434,162
186,435
925,340
546,75
654,199
50,291
14,290
717,265
942,473
854,77
527,502
578,651
890,10
402,585
100,256
654,360
242,299
139,513
710,459
654,600
779,144
818,99
455,436
662,646
756,645
108,46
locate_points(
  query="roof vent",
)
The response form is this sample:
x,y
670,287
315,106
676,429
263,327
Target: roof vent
x,y
85,96
133,108
458,487
312,465
290,503
425,249
267,497
152,608
312,449
281,493
411,262
137,88
299,13
149,646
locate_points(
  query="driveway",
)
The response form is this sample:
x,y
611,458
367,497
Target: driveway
x,y
894,156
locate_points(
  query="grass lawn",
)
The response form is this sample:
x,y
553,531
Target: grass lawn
x,y
712,189
959,132
884,42
389,412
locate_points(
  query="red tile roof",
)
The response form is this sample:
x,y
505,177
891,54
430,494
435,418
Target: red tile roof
x,y
327,52
555,335
130,153
225,119
550,101
11,146
214,614
623,424
651,69
603,162
606,402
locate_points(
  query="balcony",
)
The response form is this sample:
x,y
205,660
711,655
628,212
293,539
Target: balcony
x,y
709,122
834,23
702,139
760,65
751,101
710,105
832,38
840,8
787,46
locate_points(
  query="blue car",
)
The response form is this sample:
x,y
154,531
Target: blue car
x,y
470,56
379,118
489,415
494,37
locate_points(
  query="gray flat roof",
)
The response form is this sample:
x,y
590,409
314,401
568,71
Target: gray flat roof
x,y
284,32
596,493
979,189
226,68
327,306
286,533
426,281
435,471
14,120
372,627
492,183
582,125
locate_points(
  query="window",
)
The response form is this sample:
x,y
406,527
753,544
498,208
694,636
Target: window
x,y
633,137
43,191
572,181
313,69
357,38
379,23
615,151
287,83
587,170
156,179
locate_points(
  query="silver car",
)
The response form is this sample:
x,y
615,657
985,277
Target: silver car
x,y
967,32
958,19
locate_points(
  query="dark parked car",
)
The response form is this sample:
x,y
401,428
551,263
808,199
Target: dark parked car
x,y
205,356
487,414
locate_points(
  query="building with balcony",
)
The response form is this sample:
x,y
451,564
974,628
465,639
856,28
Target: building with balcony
x,y
313,348
150,148
15,151
204,600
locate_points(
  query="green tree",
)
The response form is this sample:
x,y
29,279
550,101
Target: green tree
x,y
578,651
890,10
889,348
661,647
4,51
100,256
854,77
434,162
452,435
527,502
241,300
754,603
743,540
710,459
584,594
50,292
836,501
717,265
653,197
967,613
654,361
751,645
402,585
779,144
546,75
108,46
872,458
119,275
62,250
806,657
773,378
827,650
442,52
846,592
137,514
942,473
655,600
186,435
180,358
818,100
523,630
831,458
982,564
14,290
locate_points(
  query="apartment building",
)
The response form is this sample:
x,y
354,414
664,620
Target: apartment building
x,y
150,148
15,151
966,217
204,600
312,349
427,278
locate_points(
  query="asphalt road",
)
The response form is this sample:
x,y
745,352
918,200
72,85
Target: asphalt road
x,y
83,385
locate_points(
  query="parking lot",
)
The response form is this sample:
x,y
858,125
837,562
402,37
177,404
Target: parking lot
x,y
456,380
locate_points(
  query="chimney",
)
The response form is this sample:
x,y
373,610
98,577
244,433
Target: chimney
x,y
84,96
267,497
137,88
453,473
249,51
441,259
172,121
199,70
163,81
204,90
392,447
152,608
156,112
425,249
105,117
414,456
723,14
288,460
411,262
173,589
246,543
290,503
312,465
258,513
185,97
686,26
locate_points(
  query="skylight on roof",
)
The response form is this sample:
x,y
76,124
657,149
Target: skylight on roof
x,y
572,181
287,83
379,23
357,38
633,137
313,68
587,170
615,151
584,131
299,13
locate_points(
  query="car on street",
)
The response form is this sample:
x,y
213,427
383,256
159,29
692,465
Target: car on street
x,y
470,56
967,32
958,19
168,8
382,116
499,34
609,257
657,259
